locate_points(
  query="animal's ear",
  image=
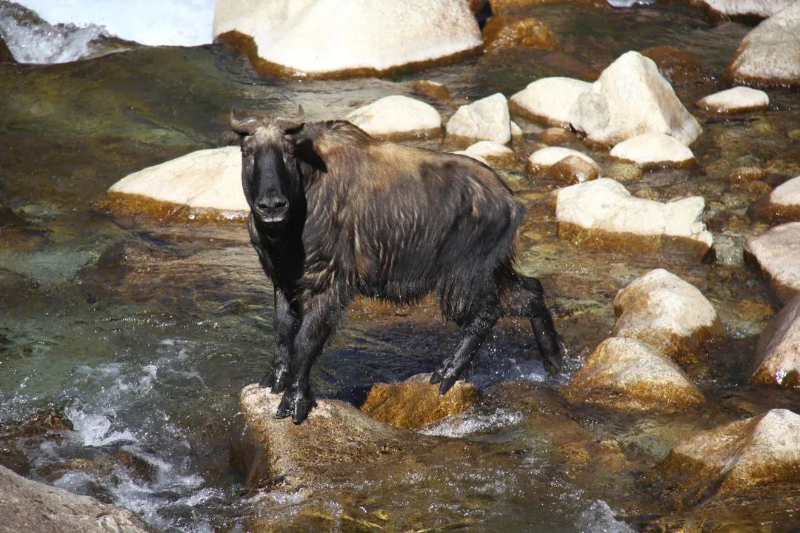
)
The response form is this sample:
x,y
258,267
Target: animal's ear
x,y
291,125
230,138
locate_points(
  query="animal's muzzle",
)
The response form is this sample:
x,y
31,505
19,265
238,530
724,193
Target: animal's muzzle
x,y
272,208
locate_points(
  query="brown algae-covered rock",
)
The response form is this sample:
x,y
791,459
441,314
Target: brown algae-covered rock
x,y
779,349
509,31
782,204
667,313
763,451
398,118
432,89
415,402
775,254
506,6
494,154
35,507
573,169
628,374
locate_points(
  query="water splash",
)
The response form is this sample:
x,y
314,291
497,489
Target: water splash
x,y
600,518
467,424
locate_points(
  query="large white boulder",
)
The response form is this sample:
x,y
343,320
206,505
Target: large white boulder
x,y
668,314
776,254
202,182
779,348
631,98
397,117
735,100
758,452
603,213
747,8
770,53
549,100
653,150
486,119
325,37
629,374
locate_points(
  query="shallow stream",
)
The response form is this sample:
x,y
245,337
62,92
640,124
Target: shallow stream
x,y
142,334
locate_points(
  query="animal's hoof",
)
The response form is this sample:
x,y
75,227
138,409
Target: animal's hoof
x,y
447,383
435,377
553,361
285,408
303,405
276,380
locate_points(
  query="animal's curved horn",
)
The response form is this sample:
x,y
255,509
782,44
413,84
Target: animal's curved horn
x,y
291,123
248,125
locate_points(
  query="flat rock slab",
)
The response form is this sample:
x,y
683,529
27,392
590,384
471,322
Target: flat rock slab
x,y
548,100
653,150
667,313
763,451
398,118
736,100
779,349
632,98
287,36
335,434
770,53
206,184
31,507
415,402
487,119
775,254
603,214
628,374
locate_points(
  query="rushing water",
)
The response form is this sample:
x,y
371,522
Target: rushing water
x,y
142,334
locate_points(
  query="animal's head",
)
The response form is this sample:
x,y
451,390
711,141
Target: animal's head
x,y
271,169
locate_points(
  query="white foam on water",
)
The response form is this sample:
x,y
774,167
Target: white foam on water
x,y
629,3
600,518
465,424
95,429
150,22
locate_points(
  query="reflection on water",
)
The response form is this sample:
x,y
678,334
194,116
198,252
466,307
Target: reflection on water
x,y
142,334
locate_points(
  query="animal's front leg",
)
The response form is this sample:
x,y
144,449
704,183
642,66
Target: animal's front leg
x,y
320,317
286,324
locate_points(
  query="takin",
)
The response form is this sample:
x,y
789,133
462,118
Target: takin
x,y
336,213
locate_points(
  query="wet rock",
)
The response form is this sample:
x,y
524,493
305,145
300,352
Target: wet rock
x,y
631,98
5,54
415,402
549,100
763,451
432,89
573,169
556,136
603,214
775,254
782,204
35,507
506,6
667,313
486,119
474,156
745,174
779,349
202,184
275,450
546,157
34,430
495,154
628,374
653,150
678,66
624,172
286,37
746,8
770,53
398,118
509,31
516,131
476,6
736,100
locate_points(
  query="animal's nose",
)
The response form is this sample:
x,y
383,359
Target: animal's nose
x,y
272,203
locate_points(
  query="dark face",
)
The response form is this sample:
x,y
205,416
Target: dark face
x,y
269,175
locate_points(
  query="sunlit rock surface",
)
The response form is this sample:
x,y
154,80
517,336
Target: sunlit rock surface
x,y
327,37
779,348
510,31
760,452
746,8
603,214
628,374
653,150
397,118
770,53
548,100
495,154
432,89
736,100
783,203
775,253
506,6
415,402
486,119
31,507
202,184
631,98
549,156
573,169
667,313
335,433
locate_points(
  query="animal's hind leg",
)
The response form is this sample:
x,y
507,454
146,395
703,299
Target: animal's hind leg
x,y
474,332
524,297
